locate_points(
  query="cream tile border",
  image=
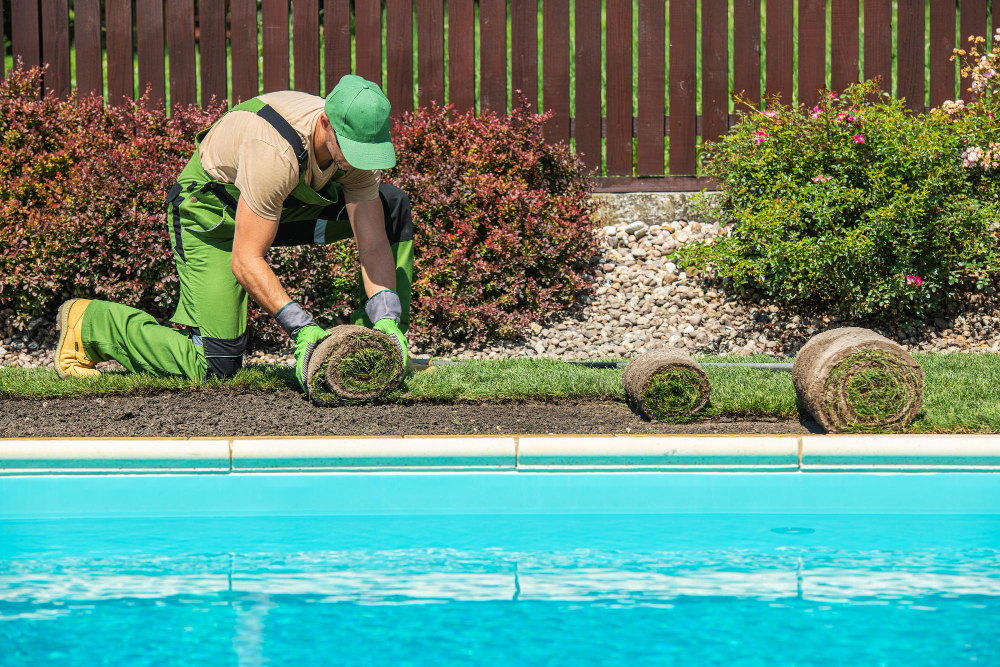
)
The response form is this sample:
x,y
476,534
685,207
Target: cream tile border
x,y
583,452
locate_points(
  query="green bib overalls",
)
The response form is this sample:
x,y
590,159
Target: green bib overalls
x,y
201,218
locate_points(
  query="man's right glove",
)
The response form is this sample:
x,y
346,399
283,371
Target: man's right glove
x,y
299,324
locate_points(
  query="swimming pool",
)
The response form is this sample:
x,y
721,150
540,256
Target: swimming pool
x,y
501,568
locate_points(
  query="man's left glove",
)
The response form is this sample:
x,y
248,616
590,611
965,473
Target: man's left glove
x,y
384,309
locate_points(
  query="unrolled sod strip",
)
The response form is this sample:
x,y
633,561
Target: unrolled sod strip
x,y
666,385
853,379
353,365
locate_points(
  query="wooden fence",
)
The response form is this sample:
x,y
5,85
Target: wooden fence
x,y
642,98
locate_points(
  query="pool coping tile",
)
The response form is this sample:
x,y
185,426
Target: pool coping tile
x,y
900,452
83,455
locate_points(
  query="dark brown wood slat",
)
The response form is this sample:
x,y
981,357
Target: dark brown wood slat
x,y
118,35
778,28
430,52
305,45
55,46
662,184
943,23
746,50
337,40
243,41
368,39
714,69
3,41
462,55
212,44
180,46
651,83
618,49
844,58
274,43
399,54
493,55
555,66
910,53
812,50
973,24
682,77
87,40
878,42
524,49
25,33
149,45
588,83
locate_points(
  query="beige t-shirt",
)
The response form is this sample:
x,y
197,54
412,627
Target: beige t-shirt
x,y
244,149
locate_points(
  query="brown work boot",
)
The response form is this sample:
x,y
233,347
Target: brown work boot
x,y
71,360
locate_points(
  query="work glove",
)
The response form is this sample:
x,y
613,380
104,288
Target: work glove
x,y
385,310
299,325
389,326
305,342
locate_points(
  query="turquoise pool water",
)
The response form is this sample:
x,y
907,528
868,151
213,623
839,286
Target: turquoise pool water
x,y
569,589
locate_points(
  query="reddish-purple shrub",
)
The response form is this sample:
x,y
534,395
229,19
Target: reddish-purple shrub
x,y
503,223
82,214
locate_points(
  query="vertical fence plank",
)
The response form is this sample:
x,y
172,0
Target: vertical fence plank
x,y
943,23
212,44
368,39
180,45
910,53
305,45
337,38
274,43
493,55
524,49
714,70
844,63
649,123
778,26
555,70
588,84
430,52
55,45
746,50
878,41
462,55
973,25
149,45
87,39
243,38
118,34
618,48
683,24
25,33
399,54
812,50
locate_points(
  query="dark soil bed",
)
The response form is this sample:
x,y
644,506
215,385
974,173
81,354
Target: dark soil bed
x,y
286,413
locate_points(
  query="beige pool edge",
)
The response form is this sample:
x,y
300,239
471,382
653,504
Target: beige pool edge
x,y
624,452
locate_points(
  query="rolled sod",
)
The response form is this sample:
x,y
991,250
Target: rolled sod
x,y
853,379
353,365
666,385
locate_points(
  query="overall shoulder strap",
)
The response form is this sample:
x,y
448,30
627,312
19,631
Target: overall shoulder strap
x,y
287,133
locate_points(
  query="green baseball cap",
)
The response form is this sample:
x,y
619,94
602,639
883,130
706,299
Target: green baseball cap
x,y
359,113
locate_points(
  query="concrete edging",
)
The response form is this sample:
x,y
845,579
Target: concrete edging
x,y
537,453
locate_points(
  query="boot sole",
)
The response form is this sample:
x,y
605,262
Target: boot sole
x,y
61,327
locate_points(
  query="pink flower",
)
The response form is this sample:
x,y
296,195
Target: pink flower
x,y
771,112
761,137
832,95
914,280
816,112
859,138
822,179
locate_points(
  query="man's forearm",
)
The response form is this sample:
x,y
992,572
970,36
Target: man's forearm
x,y
261,284
378,268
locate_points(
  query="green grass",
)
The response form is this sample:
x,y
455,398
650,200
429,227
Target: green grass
x,y
962,391
672,394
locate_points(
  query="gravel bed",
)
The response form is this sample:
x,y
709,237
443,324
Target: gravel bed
x,y
644,302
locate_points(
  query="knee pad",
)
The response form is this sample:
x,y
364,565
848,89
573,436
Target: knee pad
x,y
224,355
